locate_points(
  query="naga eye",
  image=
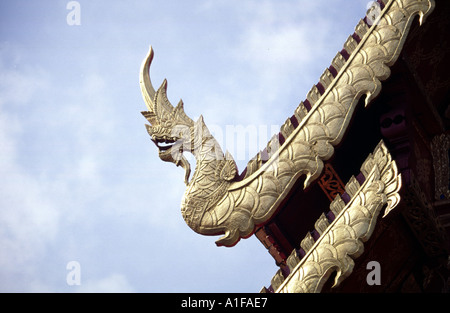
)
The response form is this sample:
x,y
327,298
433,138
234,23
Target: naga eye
x,y
166,124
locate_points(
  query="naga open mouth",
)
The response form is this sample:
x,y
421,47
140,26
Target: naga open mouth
x,y
170,150
164,143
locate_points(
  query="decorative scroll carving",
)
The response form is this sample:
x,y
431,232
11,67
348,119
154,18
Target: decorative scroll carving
x,y
342,240
330,182
216,201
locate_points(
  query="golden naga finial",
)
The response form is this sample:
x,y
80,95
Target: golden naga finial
x,y
217,202
169,125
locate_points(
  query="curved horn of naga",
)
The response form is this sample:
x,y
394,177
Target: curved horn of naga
x,y
216,202
148,92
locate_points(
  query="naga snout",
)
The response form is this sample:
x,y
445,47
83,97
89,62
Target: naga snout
x,y
171,147
166,138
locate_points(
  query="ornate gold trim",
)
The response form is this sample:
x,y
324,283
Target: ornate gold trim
x,y
342,241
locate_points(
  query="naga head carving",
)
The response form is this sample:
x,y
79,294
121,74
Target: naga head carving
x,y
173,132
170,128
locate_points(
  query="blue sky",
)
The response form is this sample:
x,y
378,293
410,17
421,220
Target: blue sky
x,y
80,179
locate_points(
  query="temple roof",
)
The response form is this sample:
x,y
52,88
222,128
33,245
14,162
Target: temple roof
x,y
412,104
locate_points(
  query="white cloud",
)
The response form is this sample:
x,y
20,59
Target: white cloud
x,y
28,216
114,283
50,171
18,83
61,185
